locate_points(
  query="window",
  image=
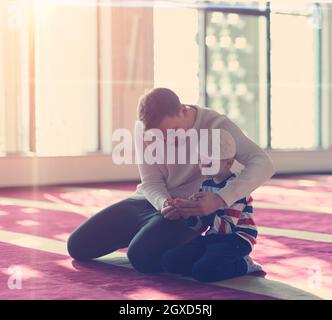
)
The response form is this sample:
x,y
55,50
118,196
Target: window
x,y
236,68
48,79
176,51
66,80
295,68
263,69
258,63
14,74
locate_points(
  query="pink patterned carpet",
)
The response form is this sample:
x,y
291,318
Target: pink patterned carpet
x,y
294,215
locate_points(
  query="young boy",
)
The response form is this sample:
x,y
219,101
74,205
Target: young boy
x,y
223,252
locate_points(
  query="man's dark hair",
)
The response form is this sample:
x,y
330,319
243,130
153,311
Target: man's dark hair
x,y
157,104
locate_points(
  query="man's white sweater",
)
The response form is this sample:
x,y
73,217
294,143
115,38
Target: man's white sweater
x,y
163,181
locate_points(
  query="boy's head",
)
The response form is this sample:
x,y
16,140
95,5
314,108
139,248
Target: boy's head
x,y
217,164
160,108
214,168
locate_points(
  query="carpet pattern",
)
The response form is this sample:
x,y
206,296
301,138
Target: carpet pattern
x,y
294,216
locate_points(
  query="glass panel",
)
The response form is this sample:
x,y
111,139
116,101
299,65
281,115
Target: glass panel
x,y
66,80
293,82
14,77
176,52
2,84
236,70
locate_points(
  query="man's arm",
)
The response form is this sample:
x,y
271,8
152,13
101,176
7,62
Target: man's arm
x,y
153,185
152,180
258,166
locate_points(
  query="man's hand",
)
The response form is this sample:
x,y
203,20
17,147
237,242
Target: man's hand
x,y
167,202
168,211
200,204
171,213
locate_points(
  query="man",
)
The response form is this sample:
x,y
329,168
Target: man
x,y
136,222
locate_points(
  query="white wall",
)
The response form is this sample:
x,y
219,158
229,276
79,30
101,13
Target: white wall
x,y
24,171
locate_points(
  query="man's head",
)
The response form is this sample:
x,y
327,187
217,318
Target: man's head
x,y
161,108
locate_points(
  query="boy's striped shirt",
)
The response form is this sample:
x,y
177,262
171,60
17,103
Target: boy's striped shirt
x,y
237,218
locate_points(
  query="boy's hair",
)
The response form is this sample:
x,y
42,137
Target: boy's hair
x,y
157,104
